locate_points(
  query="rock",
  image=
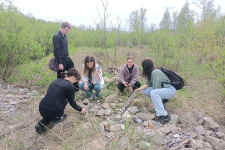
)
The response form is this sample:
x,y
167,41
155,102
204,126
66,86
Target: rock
x,y
115,128
108,112
34,92
122,126
165,130
200,130
113,105
133,110
174,118
137,120
101,128
127,118
145,116
215,143
158,138
190,119
100,112
220,134
111,98
109,134
176,135
211,123
196,144
123,143
145,124
107,127
206,145
106,106
86,101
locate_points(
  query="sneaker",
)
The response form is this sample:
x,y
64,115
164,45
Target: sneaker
x,y
165,101
92,96
40,128
96,97
163,119
60,119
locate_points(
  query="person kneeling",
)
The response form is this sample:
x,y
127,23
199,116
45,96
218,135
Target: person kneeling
x,y
60,92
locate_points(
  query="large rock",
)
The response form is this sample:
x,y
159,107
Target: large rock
x,y
211,123
217,144
145,116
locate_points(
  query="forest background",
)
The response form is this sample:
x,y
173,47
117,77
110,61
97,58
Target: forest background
x,y
184,42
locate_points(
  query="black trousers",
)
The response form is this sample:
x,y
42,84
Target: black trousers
x,y
121,86
47,118
68,64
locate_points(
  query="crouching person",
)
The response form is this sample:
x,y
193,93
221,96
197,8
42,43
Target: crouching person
x,y
60,92
157,87
92,78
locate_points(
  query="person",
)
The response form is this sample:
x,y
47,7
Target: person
x,y
157,87
60,92
92,78
61,52
128,76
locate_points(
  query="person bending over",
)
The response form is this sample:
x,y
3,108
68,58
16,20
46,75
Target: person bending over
x,y
60,92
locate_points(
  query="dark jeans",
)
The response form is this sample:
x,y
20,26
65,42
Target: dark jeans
x,y
121,86
68,64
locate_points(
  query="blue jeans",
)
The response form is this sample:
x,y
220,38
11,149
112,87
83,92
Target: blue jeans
x,y
97,87
157,95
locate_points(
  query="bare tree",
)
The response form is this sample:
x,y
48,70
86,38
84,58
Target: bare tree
x,y
104,22
117,42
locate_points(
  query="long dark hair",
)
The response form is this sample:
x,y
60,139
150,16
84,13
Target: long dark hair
x,y
148,67
72,72
86,68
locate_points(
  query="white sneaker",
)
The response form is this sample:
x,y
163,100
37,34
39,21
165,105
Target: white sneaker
x,y
92,96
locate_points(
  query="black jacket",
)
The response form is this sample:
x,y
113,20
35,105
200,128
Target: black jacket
x,y
60,44
59,93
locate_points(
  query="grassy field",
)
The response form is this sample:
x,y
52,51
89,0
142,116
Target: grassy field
x,y
201,93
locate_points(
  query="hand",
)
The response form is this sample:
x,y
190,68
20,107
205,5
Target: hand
x,y
138,90
98,72
125,84
83,111
86,87
130,89
61,67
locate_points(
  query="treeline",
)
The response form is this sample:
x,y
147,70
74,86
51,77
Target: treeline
x,y
24,38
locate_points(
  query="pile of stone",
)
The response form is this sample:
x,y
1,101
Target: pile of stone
x,y
196,131
10,97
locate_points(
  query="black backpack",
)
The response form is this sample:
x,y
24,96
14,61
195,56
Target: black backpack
x,y
176,81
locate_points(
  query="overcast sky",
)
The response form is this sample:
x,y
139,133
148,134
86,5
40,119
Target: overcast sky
x,y
85,11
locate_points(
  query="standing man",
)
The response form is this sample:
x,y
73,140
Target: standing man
x,y
61,52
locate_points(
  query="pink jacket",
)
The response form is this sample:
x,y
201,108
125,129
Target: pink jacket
x,y
125,76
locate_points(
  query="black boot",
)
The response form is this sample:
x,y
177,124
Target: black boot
x,y
40,128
